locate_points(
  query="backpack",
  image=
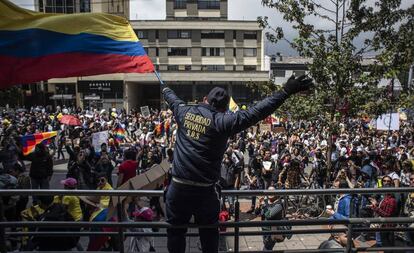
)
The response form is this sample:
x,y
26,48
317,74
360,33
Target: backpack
x,y
56,212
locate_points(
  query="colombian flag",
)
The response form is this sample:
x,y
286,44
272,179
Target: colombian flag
x,y
30,141
119,133
36,46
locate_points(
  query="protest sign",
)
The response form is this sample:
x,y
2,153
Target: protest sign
x,y
98,139
388,121
265,128
145,111
279,129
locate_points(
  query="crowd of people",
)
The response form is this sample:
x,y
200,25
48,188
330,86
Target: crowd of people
x,y
292,156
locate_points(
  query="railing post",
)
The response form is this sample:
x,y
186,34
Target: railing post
x,y
120,211
349,241
3,248
236,229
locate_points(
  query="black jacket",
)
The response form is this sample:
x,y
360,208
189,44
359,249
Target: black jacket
x,y
203,133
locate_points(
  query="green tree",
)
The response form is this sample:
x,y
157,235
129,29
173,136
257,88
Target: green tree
x,y
343,76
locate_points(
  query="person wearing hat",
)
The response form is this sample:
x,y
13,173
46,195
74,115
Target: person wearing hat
x,y
202,135
71,203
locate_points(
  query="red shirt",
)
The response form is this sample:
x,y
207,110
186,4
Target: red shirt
x,y
129,169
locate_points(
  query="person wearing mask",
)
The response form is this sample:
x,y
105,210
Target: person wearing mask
x,y
202,136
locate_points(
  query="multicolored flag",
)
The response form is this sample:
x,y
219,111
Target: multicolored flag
x,y
30,141
119,133
38,46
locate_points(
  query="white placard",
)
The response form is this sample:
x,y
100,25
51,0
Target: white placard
x,y
98,139
388,121
145,111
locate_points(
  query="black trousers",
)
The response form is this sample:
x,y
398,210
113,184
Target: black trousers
x,y
183,202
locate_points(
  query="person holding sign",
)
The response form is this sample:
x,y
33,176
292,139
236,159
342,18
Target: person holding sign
x,y
202,135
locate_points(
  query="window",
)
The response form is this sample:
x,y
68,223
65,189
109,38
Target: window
x,y
212,68
208,4
180,4
85,6
213,51
172,67
234,52
234,35
250,35
299,72
249,68
157,51
142,34
250,52
179,34
279,73
213,34
179,51
187,67
60,6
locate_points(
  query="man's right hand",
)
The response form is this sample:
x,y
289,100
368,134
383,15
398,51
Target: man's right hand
x,y
295,85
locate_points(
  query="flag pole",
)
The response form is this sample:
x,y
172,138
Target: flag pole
x,y
162,86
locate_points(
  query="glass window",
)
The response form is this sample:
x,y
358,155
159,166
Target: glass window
x,y
250,35
141,34
172,67
279,73
157,51
208,4
213,51
249,68
180,4
187,67
179,51
85,5
250,52
212,68
178,34
213,34
299,72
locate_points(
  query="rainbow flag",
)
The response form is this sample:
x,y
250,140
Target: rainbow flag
x,y
37,46
119,133
30,141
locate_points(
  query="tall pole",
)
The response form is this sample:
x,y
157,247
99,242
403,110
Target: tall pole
x,y
410,78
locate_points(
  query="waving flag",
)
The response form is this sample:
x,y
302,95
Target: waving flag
x,y
119,133
37,46
29,142
233,106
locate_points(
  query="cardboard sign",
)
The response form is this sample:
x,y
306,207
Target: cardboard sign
x,y
98,139
265,128
145,111
149,180
278,129
388,121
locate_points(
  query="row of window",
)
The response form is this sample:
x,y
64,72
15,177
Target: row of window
x,y
206,68
202,4
205,51
282,73
186,34
63,6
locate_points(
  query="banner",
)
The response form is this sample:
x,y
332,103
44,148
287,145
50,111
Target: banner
x,y
388,121
98,139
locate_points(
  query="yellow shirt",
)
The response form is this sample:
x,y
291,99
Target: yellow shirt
x,y
73,205
104,202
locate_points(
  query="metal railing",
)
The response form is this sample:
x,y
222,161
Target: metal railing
x,y
121,225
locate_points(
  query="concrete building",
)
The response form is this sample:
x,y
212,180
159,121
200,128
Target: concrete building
x,y
195,47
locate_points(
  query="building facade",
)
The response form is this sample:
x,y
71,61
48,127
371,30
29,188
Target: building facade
x,y
194,49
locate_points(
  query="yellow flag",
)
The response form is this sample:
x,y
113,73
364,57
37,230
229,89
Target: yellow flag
x,y
233,106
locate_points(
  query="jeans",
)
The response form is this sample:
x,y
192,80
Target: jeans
x,y
39,184
182,202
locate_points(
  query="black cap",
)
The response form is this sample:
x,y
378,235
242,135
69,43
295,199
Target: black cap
x,y
218,98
